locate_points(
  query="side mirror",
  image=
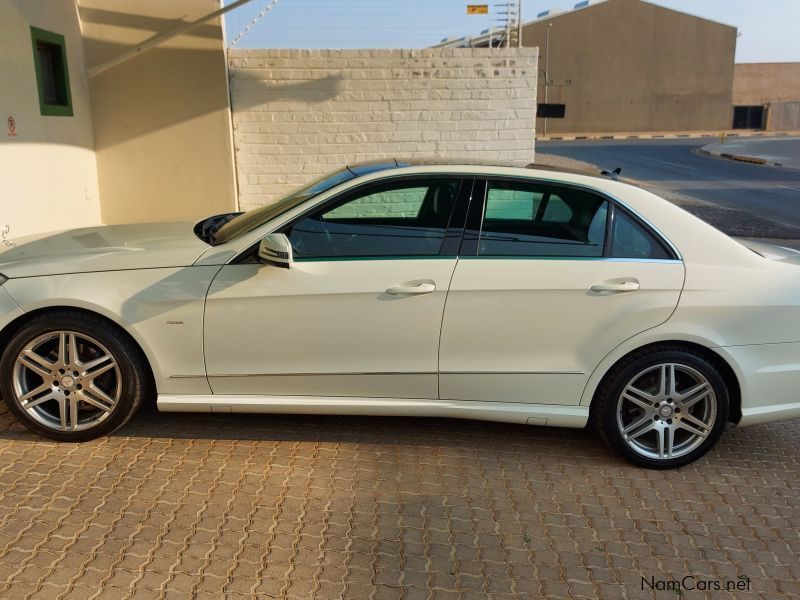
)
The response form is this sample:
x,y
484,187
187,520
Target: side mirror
x,y
275,249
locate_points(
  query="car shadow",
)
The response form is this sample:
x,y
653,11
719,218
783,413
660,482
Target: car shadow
x,y
573,446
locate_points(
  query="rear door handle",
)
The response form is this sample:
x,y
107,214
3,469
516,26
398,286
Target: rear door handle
x,y
608,287
421,288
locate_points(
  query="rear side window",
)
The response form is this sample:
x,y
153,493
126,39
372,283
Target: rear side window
x,y
522,219
631,240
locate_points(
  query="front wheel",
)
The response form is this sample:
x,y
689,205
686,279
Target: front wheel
x,y
72,377
663,408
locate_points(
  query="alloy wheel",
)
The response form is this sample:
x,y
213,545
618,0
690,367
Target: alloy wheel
x,y
67,381
666,411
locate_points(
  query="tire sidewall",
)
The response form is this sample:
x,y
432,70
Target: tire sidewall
x,y
623,377
103,334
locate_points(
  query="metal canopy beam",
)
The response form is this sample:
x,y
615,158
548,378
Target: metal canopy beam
x,y
161,38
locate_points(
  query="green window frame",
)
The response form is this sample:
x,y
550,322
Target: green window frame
x,y
59,104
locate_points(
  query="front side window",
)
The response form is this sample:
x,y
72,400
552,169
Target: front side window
x,y
395,219
522,219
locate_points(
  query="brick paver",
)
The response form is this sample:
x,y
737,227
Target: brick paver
x,y
213,506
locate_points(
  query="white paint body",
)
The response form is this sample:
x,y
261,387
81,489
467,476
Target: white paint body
x,y
508,340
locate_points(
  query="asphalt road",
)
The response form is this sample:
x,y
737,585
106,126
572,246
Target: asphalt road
x,y
758,193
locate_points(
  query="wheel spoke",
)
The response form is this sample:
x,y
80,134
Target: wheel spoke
x,y
639,397
73,350
62,348
694,425
635,425
99,395
35,363
640,432
666,384
35,392
62,412
670,440
694,395
38,401
89,399
660,438
98,366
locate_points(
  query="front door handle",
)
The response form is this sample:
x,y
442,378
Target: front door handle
x,y
608,287
420,288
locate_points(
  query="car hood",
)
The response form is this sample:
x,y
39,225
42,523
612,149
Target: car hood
x,y
104,248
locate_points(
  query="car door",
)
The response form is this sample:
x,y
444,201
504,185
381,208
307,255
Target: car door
x,y
550,278
358,313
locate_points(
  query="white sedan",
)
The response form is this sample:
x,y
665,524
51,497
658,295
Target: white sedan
x,y
505,294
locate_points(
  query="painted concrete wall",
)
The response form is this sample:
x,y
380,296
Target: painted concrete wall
x,y
764,83
48,170
775,85
627,65
161,120
301,113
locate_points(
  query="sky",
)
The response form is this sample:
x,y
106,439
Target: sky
x,y
769,29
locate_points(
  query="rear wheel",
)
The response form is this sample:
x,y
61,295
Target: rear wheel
x,y
662,408
72,377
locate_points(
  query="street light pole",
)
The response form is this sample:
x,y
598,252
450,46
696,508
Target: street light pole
x,y
546,69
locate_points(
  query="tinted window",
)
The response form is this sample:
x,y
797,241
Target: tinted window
x,y
631,240
398,219
533,220
256,218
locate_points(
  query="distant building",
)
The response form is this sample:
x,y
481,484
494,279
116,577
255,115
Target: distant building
x,y
767,96
627,65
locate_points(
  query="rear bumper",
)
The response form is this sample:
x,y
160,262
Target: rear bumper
x,y
769,375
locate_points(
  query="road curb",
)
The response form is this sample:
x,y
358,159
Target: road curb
x,y
664,136
741,158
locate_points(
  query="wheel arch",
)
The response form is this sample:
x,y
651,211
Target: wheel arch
x,y
11,329
727,371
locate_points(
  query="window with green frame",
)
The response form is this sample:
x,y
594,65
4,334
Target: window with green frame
x,y
52,75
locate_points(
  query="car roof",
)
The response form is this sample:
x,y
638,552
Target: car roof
x,y
387,164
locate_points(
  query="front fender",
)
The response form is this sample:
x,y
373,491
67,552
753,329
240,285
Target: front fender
x,y
162,309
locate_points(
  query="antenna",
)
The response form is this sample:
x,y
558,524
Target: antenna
x,y
509,19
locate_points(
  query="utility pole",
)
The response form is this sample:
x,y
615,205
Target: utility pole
x,y
546,68
519,24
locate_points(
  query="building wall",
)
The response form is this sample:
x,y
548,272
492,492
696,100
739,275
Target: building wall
x,y
162,119
627,65
48,170
763,83
301,113
775,85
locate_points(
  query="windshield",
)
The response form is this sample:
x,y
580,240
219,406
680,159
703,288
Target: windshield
x,y
254,219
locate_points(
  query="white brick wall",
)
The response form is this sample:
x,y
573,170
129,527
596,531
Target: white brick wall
x,y
298,114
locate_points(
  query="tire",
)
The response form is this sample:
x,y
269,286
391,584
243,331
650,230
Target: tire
x,y
662,427
72,376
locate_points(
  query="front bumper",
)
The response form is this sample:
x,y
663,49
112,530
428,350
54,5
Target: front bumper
x,y
769,375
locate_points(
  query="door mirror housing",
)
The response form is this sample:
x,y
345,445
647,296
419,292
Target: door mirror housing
x,y
275,249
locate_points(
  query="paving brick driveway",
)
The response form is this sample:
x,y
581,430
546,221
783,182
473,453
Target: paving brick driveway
x,y
204,506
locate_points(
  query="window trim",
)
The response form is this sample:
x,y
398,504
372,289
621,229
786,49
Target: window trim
x,y
46,109
470,241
